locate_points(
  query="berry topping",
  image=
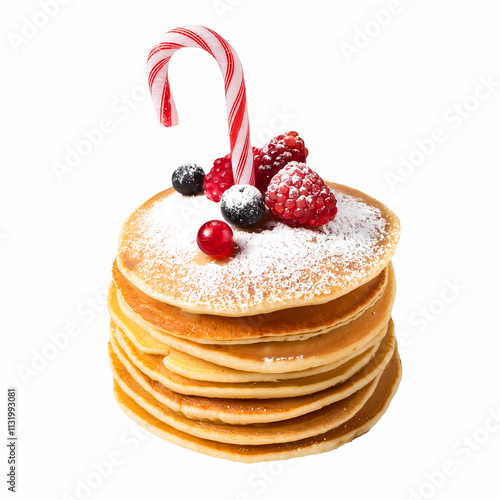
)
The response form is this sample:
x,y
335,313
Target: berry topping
x,y
298,196
215,238
242,205
219,178
280,151
188,179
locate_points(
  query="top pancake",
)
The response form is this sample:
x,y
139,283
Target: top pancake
x,y
287,324
273,266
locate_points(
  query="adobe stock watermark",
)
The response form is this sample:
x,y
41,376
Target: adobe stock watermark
x,y
452,120
366,33
429,312
277,124
92,138
101,470
84,314
224,7
32,24
462,451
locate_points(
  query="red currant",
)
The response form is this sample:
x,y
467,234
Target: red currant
x,y
215,238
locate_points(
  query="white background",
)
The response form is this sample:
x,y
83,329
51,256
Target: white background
x,y
359,115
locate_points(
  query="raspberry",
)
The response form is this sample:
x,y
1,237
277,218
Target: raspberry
x,y
298,196
220,178
281,150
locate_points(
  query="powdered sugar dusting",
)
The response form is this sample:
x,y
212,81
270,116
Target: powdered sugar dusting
x,y
238,197
243,204
275,264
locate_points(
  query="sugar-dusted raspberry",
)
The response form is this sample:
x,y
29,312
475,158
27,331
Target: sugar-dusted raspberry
x,y
298,196
280,151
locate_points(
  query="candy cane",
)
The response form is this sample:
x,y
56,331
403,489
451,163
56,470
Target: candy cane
x,y
234,83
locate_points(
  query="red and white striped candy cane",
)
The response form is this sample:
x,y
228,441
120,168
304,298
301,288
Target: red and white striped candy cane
x,y
234,83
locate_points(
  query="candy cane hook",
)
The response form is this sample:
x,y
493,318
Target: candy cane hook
x,y
234,83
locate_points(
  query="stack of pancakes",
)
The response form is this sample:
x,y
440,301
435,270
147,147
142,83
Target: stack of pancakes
x,y
285,349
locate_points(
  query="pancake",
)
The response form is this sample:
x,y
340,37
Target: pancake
x,y
251,411
274,266
339,345
153,367
368,416
199,369
285,324
293,429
